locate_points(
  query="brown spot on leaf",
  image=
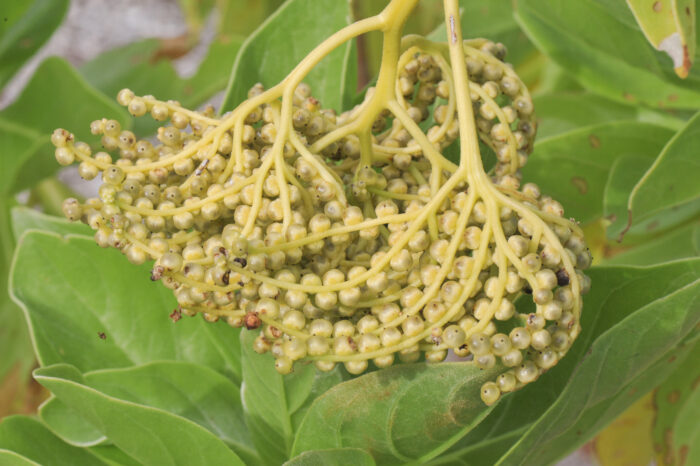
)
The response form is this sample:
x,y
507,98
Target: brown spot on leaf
x,y
683,70
594,140
671,359
629,97
683,455
674,396
653,225
657,6
627,227
171,48
668,440
672,98
102,335
580,183
176,314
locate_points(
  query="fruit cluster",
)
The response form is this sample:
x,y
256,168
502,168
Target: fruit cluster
x,y
351,237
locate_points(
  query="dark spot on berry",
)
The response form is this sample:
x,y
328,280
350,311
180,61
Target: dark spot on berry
x,y
527,289
252,321
225,277
222,250
275,332
157,273
562,277
240,283
241,261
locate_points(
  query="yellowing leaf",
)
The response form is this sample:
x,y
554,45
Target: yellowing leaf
x,y
669,25
627,440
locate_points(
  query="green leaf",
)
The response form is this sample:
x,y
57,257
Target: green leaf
x,y
10,458
645,314
669,25
113,455
671,401
184,389
25,218
26,28
139,67
56,96
86,291
31,439
466,452
559,112
672,180
276,404
640,74
14,337
410,412
687,430
149,435
676,244
333,457
573,167
68,424
268,54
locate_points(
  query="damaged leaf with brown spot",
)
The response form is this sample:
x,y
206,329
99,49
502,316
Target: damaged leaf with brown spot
x,y
669,25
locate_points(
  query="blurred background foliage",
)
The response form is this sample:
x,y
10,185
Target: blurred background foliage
x,y
614,118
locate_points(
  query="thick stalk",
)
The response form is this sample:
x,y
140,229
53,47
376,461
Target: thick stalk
x,y
470,157
393,18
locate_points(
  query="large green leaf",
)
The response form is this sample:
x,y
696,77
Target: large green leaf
x,y
646,313
149,435
672,180
269,54
87,293
333,457
276,404
24,29
586,37
192,391
405,413
31,439
573,167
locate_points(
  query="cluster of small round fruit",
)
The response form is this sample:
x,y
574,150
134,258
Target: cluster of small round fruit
x,y
350,238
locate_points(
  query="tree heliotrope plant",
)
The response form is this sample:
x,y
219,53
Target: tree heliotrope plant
x,y
351,238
